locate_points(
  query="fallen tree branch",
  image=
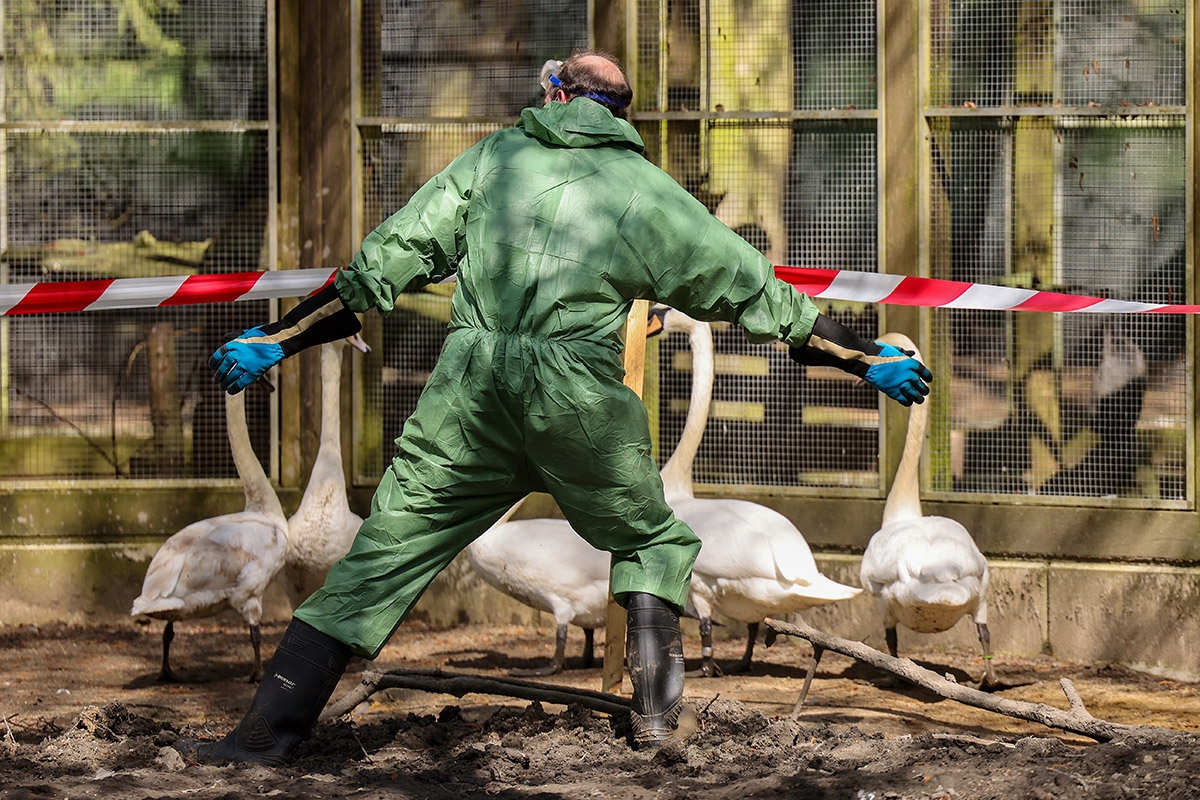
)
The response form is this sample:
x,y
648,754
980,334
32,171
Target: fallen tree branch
x,y
1076,720
459,684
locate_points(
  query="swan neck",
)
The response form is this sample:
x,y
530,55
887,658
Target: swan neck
x,y
677,472
260,494
327,480
331,404
904,498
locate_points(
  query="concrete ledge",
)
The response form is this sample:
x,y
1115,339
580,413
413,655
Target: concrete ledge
x,y
1139,615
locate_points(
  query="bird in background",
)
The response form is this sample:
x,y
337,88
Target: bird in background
x,y
545,564
753,563
222,562
925,571
323,527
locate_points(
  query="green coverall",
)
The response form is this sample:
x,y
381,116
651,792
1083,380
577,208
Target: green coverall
x,y
554,227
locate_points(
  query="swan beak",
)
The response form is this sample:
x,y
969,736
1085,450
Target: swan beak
x,y
358,343
655,322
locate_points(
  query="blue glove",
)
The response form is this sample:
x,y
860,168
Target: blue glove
x,y
901,377
244,359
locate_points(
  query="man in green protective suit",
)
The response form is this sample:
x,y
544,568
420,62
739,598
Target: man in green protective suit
x,y
553,228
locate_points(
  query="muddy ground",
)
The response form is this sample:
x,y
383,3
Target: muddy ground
x,y
84,716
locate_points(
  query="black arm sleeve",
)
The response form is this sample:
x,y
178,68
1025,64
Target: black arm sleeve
x,y
832,344
318,319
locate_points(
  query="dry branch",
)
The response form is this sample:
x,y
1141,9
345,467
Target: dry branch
x,y
459,684
1076,720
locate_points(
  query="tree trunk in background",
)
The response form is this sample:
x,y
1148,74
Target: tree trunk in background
x,y
165,408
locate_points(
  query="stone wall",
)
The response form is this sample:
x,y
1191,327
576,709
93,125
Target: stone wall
x,y
1142,616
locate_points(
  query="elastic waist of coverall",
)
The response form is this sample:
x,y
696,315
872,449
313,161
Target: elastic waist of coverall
x,y
604,347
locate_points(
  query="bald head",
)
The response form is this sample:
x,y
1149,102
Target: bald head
x,y
599,66
589,73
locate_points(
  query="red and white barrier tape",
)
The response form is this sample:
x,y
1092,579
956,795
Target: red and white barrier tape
x,y
871,287
826,284
175,290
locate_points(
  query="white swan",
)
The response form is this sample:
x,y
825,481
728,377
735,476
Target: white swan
x,y
753,562
221,562
323,527
926,572
546,565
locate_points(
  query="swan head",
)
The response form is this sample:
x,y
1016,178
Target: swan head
x,y
358,343
897,339
664,319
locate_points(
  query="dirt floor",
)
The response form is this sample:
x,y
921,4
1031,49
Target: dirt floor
x,y
84,716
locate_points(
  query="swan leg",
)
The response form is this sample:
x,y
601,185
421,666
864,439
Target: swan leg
x,y
589,648
556,665
808,678
167,675
708,665
985,639
751,638
890,681
256,642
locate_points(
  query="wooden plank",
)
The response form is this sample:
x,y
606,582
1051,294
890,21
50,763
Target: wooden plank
x,y
635,360
289,93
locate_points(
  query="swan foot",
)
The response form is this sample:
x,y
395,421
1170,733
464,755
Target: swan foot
x,y
989,682
168,675
709,668
739,668
537,672
889,681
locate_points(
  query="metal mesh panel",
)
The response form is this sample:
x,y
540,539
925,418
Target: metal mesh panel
x,y
1121,52
771,422
461,59
88,206
397,164
803,193
766,56
1076,52
1078,199
833,49
441,60
82,60
127,394
1076,405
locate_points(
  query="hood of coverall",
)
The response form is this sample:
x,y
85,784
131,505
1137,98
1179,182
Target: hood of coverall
x,y
579,123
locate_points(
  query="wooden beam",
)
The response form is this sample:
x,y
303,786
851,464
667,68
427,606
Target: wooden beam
x,y
289,27
324,158
901,139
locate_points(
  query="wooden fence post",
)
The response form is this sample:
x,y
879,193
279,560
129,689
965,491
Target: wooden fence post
x,y
635,361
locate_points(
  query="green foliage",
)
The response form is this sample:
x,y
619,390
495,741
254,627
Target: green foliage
x,y
140,15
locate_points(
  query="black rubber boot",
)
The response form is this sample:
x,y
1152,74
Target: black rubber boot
x,y
299,680
654,655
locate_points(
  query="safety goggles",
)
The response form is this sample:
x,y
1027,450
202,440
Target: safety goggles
x,y
549,75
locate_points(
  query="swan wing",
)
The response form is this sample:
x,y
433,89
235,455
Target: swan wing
x,y
927,571
545,564
741,539
205,564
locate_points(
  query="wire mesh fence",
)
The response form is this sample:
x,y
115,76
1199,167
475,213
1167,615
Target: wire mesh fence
x,y
134,145
139,144
1059,162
